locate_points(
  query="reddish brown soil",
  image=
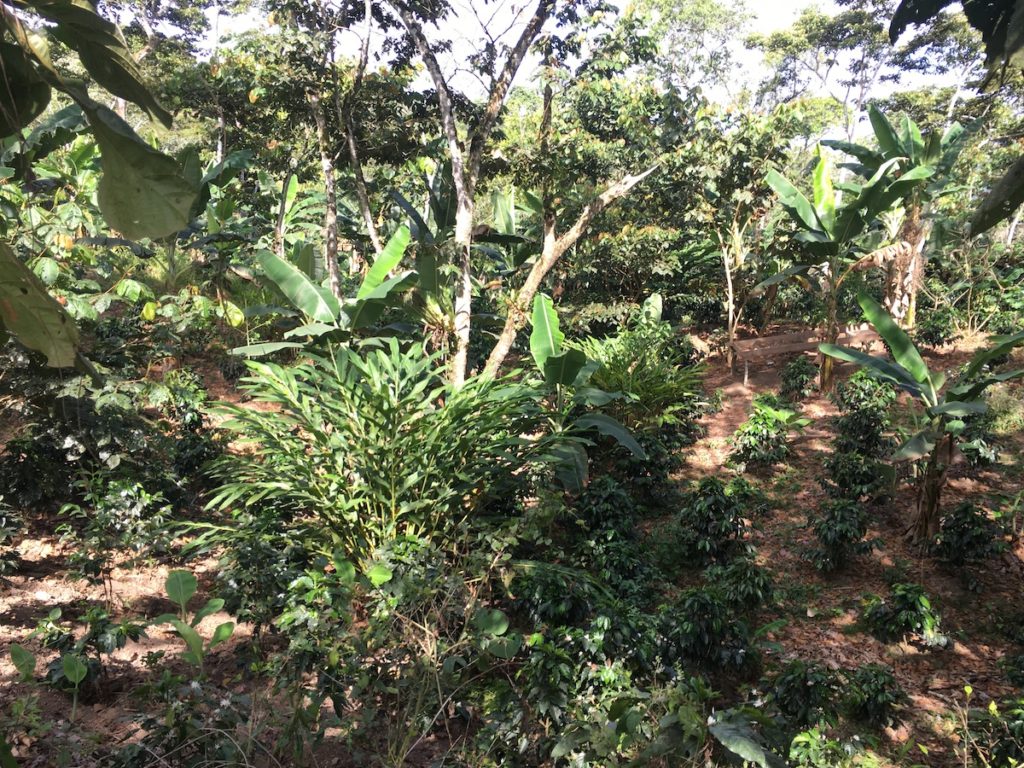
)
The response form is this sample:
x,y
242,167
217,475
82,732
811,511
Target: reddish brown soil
x,y
821,612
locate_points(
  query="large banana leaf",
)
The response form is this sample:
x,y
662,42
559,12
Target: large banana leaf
x,y
878,367
917,447
824,193
562,369
903,349
305,295
385,263
888,140
793,200
546,338
609,427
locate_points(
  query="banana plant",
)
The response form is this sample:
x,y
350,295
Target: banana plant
x,y
911,150
566,373
324,316
831,225
944,409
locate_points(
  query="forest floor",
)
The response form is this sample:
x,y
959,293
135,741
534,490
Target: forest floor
x,y
977,605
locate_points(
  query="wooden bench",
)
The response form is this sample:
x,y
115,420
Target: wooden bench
x,y
769,347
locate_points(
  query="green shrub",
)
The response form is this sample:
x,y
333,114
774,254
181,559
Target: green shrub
x,y
798,378
872,695
997,734
743,583
699,627
1006,406
840,527
115,515
805,693
651,367
10,527
359,448
763,438
907,611
968,534
710,525
937,327
854,476
864,405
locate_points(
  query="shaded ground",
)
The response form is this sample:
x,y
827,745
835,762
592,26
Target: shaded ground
x,y
977,604
820,613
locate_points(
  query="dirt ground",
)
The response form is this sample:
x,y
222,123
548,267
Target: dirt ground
x,y
820,612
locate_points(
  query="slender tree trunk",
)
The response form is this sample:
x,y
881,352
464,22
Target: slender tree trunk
x,y
553,249
928,518
463,288
344,109
827,373
331,199
730,298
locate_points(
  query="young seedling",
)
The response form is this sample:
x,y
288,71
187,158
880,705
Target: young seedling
x,y
181,586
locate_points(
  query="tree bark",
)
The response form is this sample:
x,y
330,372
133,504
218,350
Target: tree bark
x,y
466,164
928,518
331,199
553,249
344,109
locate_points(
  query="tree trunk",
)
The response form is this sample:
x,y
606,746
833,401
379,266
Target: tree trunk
x,y
906,271
928,519
463,288
730,299
553,249
827,372
331,199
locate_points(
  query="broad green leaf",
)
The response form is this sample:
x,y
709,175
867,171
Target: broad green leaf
x,y
562,369
739,738
181,586
609,427
999,204
212,606
142,192
917,447
491,621
419,229
266,348
796,270
824,194
503,204
24,661
74,668
364,312
878,367
959,409
868,157
379,574
32,316
192,640
888,141
546,338
902,348
302,292
793,200
505,647
385,263
221,633
24,95
1001,345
